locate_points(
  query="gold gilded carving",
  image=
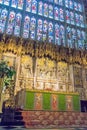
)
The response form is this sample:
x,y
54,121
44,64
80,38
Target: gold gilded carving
x,y
64,77
77,76
46,68
62,71
40,85
26,68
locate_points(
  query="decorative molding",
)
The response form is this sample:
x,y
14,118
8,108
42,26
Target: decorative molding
x,y
33,48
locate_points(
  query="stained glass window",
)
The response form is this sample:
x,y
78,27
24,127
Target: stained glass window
x,y
46,10
6,2
56,13
45,30
32,28
40,8
20,4
28,5
57,34
14,3
34,6
39,30
17,24
26,27
48,20
3,19
50,32
67,16
61,14
11,21
50,11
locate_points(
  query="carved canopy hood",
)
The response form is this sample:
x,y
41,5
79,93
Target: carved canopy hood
x,y
33,48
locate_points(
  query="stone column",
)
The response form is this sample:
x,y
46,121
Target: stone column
x,y
71,78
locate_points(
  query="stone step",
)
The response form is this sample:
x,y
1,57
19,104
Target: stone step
x,y
47,118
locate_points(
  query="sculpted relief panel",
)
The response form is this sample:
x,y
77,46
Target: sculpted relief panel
x,y
62,69
46,74
26,72
26,67
63,76
46,68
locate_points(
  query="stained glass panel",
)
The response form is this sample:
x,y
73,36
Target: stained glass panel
x,y
69,42
57,33
3,18
26,27
20,4
62,35
71,4
50,33
11,21
67,16
1,1
34,6
79,7
56,1
77,19
61,14
73,35
32,28
6,2
50,0
14,3
56,13
39,30
17,24
50,11
75,6
60,2
66,3
79,38
40,8
45,30
81,21
83,37
72,19
46,10
28,5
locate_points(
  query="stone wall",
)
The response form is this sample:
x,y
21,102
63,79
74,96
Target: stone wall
x,y
46,119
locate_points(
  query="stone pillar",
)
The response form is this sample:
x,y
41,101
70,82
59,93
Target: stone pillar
x,y
71,78
17,74
84,81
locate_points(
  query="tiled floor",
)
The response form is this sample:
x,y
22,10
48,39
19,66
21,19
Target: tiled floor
x,y
21,128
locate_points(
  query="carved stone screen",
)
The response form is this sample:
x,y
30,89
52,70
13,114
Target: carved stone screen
x,y
78,77
56,21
